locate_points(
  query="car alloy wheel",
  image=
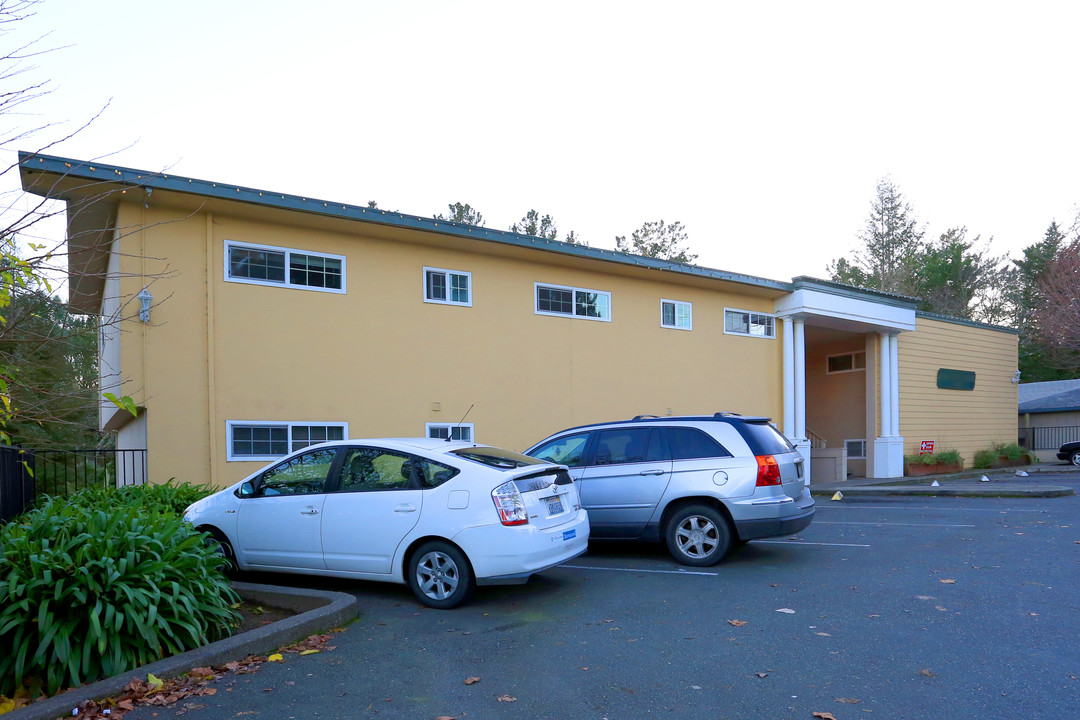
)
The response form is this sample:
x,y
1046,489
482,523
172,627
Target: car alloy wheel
x,y
698,535
216,540
440,575
1075,458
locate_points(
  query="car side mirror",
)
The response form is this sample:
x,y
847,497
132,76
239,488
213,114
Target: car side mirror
x,y
246,489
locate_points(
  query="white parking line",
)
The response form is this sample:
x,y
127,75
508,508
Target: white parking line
x,y
800,542
842,522
924,508
659,572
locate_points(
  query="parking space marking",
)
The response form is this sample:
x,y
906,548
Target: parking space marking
x,y
924,508
801,542
658,572
844,522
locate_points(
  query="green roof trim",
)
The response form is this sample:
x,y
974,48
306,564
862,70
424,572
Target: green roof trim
x,y
965,321
99,172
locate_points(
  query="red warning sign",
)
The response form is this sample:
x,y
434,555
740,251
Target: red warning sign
x,y
927,447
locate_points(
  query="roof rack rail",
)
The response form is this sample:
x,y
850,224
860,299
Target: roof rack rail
x,y
643,417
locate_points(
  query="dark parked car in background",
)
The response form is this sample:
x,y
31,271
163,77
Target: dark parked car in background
x,y
1070,452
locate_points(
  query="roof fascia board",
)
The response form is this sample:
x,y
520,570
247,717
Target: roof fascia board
x,y
163,181
863,312
964,321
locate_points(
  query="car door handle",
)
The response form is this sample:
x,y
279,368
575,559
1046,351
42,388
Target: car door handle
x,y
651,472
310,511
404,508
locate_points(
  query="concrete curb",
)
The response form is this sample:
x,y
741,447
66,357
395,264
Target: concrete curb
x,y
950,490
317,610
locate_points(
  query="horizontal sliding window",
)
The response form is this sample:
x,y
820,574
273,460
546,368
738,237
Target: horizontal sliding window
x,y
268,440
441,431
675,314
574,302
846,362
266,265
449,287
744,322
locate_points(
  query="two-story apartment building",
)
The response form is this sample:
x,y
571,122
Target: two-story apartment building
x,y
253,323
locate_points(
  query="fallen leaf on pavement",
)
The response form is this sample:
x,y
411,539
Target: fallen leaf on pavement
x,y
947,582
737,623
926,673
507,698
789,611
825,716
276,657
850,701
471,680
823,634
309,652
938,607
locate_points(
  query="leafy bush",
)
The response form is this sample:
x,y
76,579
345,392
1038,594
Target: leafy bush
x,y
948,457
1011,452
90,589
985,459
168,498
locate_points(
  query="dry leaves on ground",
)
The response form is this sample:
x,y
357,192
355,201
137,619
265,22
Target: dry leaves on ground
x,y
471,680
507,698
825,716
737,623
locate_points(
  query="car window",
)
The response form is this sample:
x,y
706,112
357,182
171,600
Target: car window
x,y
567,450
432,474
368,468
688,443
625,445
304,474
764,439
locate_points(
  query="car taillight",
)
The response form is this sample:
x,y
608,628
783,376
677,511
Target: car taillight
x,y
509,504
768,471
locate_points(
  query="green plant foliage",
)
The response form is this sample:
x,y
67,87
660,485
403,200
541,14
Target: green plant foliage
x,y
170,498
92,589
1011,452
985,459
947,457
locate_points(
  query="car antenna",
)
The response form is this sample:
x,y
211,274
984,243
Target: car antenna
x,y
450,435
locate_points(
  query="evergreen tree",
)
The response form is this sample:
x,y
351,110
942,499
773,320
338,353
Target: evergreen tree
x,y
657,240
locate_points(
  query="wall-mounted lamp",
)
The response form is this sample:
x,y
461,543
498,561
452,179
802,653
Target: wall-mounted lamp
x,y
145,299
1016,377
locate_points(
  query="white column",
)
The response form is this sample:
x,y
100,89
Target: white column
x,y
789,377
800,380
889,446
894,386
886,386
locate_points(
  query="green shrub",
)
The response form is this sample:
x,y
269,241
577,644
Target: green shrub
x,y
1011,452
91,590
948,457
169,498
986,458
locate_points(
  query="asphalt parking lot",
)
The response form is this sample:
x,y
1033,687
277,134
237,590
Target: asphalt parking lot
x,y
914,607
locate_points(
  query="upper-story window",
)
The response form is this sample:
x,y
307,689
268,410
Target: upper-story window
x,y
266,265
444,431
744,322
575,302
449,287
675,314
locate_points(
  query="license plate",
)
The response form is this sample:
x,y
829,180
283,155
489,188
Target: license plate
x,y
555,506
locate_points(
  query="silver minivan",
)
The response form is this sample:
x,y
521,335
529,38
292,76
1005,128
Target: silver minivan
x,y
700,484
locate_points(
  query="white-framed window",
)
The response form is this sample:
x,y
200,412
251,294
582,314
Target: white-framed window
x,y
676,314
454,431
845,362
283,267
573,302
265,440
856,449
447,287
745,322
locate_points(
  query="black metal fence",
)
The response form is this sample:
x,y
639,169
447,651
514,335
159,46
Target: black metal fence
x,y
26,475
1047,438
16,481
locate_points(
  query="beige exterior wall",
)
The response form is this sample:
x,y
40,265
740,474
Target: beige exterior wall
x,y
378,357
967,421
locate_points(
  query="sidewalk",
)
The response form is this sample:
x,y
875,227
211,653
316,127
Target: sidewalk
x,y
1003,482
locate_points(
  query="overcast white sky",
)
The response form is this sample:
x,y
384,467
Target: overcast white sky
x,y
762,126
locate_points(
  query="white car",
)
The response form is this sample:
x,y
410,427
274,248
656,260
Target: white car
x,y
440,516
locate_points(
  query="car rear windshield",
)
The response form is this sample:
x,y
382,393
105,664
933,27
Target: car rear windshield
x,y
497,457
764,439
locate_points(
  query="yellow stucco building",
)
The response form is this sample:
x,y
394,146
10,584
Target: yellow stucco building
x,y
250,323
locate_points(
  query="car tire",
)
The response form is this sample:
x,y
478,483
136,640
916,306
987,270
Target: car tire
x,y
698,535
440,575
1074,457
221,545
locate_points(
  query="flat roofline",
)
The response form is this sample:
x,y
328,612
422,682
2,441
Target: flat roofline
x,y
965,321
103,173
